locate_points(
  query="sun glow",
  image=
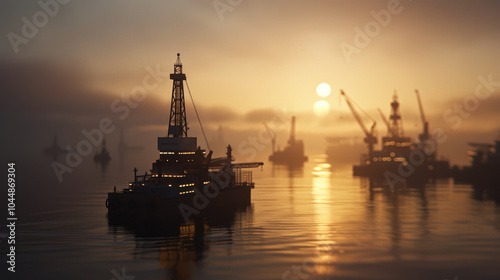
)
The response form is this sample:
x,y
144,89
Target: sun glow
x,y
323,90
321,108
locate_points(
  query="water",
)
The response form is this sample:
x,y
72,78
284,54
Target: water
x,y
314,223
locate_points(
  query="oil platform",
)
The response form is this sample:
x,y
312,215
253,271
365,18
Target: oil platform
x,y
292,154
399,155
102,156
55,150
184,180
484,170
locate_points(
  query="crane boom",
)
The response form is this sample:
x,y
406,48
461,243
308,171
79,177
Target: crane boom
x,y
385,120
422,115
355,113
370,139
425,134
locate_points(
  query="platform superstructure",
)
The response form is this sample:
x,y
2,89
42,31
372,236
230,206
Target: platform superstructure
x,y
399,158
183,171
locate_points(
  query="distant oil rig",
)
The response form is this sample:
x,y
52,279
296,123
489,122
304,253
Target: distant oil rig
x,y
397,149
292,154
55,150
102,156
484,171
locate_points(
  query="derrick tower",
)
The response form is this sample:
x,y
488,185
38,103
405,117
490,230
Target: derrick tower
x,y
177,123
395,117
177,139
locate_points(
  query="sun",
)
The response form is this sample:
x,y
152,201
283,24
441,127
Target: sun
x,y
323,90
321,108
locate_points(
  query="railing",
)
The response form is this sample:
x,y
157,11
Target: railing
x,y
243,177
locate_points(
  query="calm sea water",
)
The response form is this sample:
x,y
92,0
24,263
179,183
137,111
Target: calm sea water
x,y
315,223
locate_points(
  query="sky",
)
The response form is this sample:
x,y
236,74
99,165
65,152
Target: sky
x,y
250,62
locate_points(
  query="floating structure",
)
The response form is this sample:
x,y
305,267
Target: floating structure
x,y
102,156
440,167
292,154
399,159
54,150
184,181
484,171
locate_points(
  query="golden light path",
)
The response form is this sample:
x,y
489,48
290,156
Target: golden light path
x,y
325,249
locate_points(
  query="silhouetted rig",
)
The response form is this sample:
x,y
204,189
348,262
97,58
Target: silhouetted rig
x,y
54,150
183,175
102,156
484,171
292,154
400,160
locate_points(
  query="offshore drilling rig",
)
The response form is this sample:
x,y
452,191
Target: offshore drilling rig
x,y
292,154
397,149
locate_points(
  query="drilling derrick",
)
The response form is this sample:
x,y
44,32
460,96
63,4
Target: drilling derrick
x,y
177,138
396,123
178,123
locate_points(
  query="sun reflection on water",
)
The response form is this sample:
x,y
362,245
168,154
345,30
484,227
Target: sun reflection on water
x,y
326,247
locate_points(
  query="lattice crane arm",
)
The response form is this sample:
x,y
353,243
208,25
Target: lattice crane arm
x,y
384,119
357,116
422,115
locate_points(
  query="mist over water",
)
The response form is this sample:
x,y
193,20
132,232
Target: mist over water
x,y
67,67
316,221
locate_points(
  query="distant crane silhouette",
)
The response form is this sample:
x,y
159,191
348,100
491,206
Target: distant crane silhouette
x,y
424,136
385,121
273,136
370,137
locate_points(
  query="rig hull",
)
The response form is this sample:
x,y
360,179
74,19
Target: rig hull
x,y
148,207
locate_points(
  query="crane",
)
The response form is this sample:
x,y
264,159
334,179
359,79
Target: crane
x,y
370,138
273,136
425,134
385,121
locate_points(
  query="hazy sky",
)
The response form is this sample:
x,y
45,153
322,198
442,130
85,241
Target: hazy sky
x,y
245,59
